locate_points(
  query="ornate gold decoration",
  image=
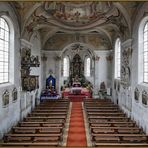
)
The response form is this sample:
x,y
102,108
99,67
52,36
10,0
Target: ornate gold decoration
x,y
29,82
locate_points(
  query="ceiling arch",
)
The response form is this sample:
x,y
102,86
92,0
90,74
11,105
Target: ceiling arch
x,y
84,46
125,14
97,23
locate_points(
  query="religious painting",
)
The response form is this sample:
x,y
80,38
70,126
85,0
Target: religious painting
x,y
25,56
144,98
30,83
25,83
14,95
77,13
136,94
5,98
25,72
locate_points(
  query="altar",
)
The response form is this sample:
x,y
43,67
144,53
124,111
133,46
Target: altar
x,y
76,92
77,86
50,91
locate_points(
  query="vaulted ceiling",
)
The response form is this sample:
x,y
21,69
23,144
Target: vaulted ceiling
x,y
62,23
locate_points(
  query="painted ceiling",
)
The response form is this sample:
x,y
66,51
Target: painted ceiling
x,y
61,23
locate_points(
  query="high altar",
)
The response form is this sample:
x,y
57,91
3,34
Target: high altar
x,y
78,85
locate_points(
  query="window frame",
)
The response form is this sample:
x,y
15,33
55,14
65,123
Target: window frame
x,y
67,66
145,51
4,51
86,66
117,68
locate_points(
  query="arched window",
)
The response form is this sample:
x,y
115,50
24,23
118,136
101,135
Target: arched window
x,y
66,67
87,67
4,51
145,53
117,58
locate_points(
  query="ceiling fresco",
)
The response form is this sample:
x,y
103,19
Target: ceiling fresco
x,y
60,23
59,41
78,14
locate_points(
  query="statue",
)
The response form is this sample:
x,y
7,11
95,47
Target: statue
x,y
102,86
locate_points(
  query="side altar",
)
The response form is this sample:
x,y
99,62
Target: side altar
x,y
50,91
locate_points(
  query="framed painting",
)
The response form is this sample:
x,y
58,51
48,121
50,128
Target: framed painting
x,y
14,95
144,98
136,94
5,98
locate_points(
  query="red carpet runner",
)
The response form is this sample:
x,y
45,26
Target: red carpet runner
x,y
76,134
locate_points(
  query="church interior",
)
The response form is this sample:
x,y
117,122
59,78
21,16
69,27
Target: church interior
x,y
74,73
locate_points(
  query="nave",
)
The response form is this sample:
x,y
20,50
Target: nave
x,y
67,51
92,122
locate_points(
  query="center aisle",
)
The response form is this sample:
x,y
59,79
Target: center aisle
x,y
76,134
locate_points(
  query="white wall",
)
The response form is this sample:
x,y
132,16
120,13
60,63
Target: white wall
x,y
103,70
52,64
28,99
11,114
125,96
139,111
36,51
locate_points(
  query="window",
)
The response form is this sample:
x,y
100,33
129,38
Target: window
x,y
145,53
66,67
117,58
87,67
4,51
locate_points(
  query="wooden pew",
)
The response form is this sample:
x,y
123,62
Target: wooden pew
x,y
107,117
15,144
48,107
118,144
48,114
121,137
43,124
103,108
28,137
45,118
108,124
113,124
104,111
50,110
37,129
106,114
